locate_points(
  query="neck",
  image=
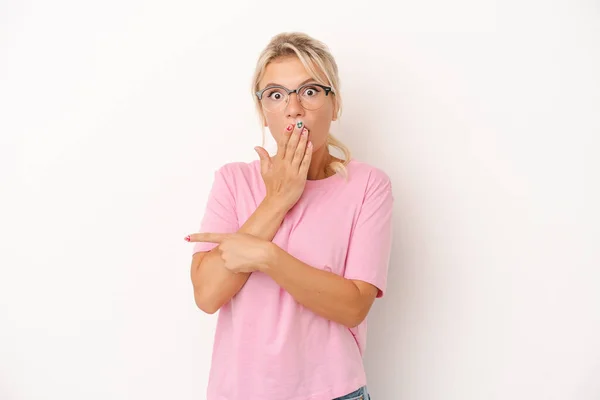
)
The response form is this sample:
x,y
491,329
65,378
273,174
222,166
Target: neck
x,y
319,163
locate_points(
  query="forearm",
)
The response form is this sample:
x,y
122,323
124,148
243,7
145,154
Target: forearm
x,y
214,285
325,293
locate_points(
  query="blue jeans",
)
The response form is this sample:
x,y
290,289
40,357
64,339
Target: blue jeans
x,y
360,394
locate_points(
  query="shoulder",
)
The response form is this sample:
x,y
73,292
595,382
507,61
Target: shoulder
x,y
235,169
240,176
372,177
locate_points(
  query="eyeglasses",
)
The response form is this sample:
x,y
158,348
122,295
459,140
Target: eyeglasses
x,y
311,96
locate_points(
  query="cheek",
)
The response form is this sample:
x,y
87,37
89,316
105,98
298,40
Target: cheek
x,y
273,127
319,134
318,138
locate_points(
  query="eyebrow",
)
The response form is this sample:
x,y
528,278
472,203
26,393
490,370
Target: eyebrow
x,y
279,84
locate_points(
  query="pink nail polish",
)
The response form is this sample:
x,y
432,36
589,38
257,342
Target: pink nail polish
x,y
187,238
290,127
304,131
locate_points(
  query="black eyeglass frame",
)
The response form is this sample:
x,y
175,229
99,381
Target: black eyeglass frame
x,y
327,89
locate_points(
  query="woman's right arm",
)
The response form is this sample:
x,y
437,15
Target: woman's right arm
x,y
214,285
285,178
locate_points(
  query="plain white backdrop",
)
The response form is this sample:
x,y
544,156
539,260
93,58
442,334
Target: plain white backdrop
x,y
114,116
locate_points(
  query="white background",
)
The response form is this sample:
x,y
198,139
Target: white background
x,y
486,115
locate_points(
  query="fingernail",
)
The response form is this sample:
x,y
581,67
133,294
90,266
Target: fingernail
x,y
290,127
187,238
299,124
304,131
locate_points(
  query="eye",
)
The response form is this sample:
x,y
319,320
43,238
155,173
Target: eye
x,y
310,91
274,94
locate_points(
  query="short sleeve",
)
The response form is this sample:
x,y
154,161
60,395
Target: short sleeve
x,y
220,215
371,238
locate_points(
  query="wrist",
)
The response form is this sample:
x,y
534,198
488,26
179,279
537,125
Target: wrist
x,y
272,255
275,204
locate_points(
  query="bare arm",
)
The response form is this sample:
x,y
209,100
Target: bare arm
x,y
285,177
341,299
214,285
329,295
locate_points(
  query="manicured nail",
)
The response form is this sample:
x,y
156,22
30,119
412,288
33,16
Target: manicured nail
x,y
290,127
187,238
304,131
299,124
309,144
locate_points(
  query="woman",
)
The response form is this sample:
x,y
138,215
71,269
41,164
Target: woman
x,y
294,247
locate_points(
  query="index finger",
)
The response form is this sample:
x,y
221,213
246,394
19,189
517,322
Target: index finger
x,y
207,237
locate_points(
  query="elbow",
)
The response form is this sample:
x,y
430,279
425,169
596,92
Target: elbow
x,y
359,308
357,312
205,298
209,306
355,317
353,323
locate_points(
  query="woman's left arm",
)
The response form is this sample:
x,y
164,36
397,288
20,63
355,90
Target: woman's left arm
x,y
327,294
348,297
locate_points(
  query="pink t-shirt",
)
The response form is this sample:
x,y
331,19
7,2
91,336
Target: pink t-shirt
x,y
267,346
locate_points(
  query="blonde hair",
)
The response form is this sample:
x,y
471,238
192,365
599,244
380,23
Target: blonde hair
x,y
311,53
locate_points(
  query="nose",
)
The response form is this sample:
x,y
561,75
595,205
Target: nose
x,y
293,108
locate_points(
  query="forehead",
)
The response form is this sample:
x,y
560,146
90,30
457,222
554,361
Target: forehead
x,y
289,72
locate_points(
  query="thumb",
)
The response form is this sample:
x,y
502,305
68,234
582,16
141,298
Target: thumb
x,y
265,159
